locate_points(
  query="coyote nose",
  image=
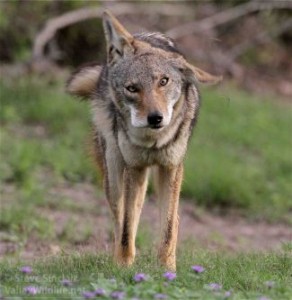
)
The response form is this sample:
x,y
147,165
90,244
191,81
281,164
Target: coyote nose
x,y
155,118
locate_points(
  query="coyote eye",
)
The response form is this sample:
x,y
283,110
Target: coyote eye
x,y
163,81
131,89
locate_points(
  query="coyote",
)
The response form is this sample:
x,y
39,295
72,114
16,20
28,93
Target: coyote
x,y
145,103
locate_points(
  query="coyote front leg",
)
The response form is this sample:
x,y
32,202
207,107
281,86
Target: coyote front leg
x,y
169,189
135,183
114,170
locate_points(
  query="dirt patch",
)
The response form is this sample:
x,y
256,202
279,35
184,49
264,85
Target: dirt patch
x,y
232,232
86,226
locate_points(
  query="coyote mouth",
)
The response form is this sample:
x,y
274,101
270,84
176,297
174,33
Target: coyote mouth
x,y
158,126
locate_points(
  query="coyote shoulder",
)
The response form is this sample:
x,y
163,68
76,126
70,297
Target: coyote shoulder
x,y
145,103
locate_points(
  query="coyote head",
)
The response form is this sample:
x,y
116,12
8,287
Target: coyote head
x,y
147,76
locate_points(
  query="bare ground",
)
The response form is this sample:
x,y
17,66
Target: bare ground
x,y
87,227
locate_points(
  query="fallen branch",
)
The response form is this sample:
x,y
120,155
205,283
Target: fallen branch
x,y
225,16
57,23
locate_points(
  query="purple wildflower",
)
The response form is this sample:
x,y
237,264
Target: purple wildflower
x,y
88,295
66,282
31,290
270,284
140,277
99,292
169,276
198,269
227,294
215,286
117,295
160,296
264,298
26,270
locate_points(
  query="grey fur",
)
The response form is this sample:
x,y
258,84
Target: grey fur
x,y
145,75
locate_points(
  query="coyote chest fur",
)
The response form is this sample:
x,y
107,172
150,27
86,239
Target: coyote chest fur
x,y
145,103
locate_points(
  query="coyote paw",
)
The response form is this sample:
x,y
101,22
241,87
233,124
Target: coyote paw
x,y
168,262
124,257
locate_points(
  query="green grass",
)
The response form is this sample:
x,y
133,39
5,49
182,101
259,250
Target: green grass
x,y
244,275
239,158
240,155
43,143
63,125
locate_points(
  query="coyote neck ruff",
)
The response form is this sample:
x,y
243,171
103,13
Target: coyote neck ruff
x,y
145,103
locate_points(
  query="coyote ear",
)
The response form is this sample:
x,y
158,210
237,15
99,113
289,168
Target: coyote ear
x,y
83,82
204,77
118,39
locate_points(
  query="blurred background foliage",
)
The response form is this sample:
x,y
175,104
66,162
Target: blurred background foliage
x,y
239,158
254,49
21,20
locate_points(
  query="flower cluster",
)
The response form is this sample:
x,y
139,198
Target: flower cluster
x,y
198,269
138,278
26,270
117,295
88,295
96,293
215,286
66,282
169,276
31,290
